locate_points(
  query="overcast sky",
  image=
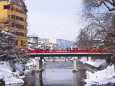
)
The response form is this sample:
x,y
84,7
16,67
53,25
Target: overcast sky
x,y
54,18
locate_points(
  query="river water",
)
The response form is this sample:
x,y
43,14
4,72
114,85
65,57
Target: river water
x,y
58,73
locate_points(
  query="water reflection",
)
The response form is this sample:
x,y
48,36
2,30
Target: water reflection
x,y
55,77
58,77
34,79
56,74
38,79
79,77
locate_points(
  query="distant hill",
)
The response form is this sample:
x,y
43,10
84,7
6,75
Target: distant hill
x,y
64,43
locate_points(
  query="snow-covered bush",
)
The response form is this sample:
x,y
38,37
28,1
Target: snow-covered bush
x,y
8,49
7,75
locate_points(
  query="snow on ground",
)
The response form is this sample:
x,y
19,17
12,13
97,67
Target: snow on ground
x,y
7,75
19,68
31,63
30,66
95,63
100,77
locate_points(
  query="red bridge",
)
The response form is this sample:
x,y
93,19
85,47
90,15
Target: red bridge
x,y
72,53
41,54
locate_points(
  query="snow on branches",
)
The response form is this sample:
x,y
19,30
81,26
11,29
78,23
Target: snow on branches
x,y
8,48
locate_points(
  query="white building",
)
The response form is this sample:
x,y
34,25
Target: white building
x,y
33,42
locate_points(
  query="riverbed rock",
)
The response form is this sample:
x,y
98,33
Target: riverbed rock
x,y
2,82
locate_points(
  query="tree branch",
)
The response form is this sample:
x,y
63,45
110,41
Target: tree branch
x,y
110,9
112,3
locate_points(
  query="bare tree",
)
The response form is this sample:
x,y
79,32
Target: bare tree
x,y
101,21
83,40
8,48
91,5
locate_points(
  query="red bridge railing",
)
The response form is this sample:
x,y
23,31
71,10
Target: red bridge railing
x,y
69,51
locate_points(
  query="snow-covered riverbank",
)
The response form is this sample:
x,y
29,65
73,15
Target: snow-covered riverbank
x,y
11,76
7,75
100,77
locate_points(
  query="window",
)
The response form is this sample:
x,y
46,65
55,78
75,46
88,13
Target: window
x,y
25,9
22,43
16,42
12,8
20,11
6,7
20,34
6,22
8,16
13,25
16,9
20,3
13,16
19,26
17,17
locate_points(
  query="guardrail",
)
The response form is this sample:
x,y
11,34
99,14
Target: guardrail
x,y
69,51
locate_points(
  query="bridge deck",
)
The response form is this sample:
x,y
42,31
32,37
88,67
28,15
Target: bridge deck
x,y
70,54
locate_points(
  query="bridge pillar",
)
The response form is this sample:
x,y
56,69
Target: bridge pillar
x,y
53,59
38,64
65,59
75,65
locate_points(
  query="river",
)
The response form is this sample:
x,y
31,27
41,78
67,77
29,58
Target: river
x,y
58,73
